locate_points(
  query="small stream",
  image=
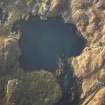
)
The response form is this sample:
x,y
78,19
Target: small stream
x,y
43,42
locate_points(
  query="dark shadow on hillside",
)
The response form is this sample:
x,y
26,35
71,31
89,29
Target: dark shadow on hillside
x,y
68,84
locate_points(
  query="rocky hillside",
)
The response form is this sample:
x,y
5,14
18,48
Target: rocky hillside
x,y
88,67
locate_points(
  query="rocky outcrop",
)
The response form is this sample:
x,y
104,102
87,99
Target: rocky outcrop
x,y
9,54
97,98
55,4
89,15
91,60
89,66
36,88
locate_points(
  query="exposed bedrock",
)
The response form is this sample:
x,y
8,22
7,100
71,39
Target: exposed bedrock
x,y
35,88
89,66
9,55
89,15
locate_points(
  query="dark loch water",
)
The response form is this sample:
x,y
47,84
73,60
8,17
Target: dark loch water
x,y
43,42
